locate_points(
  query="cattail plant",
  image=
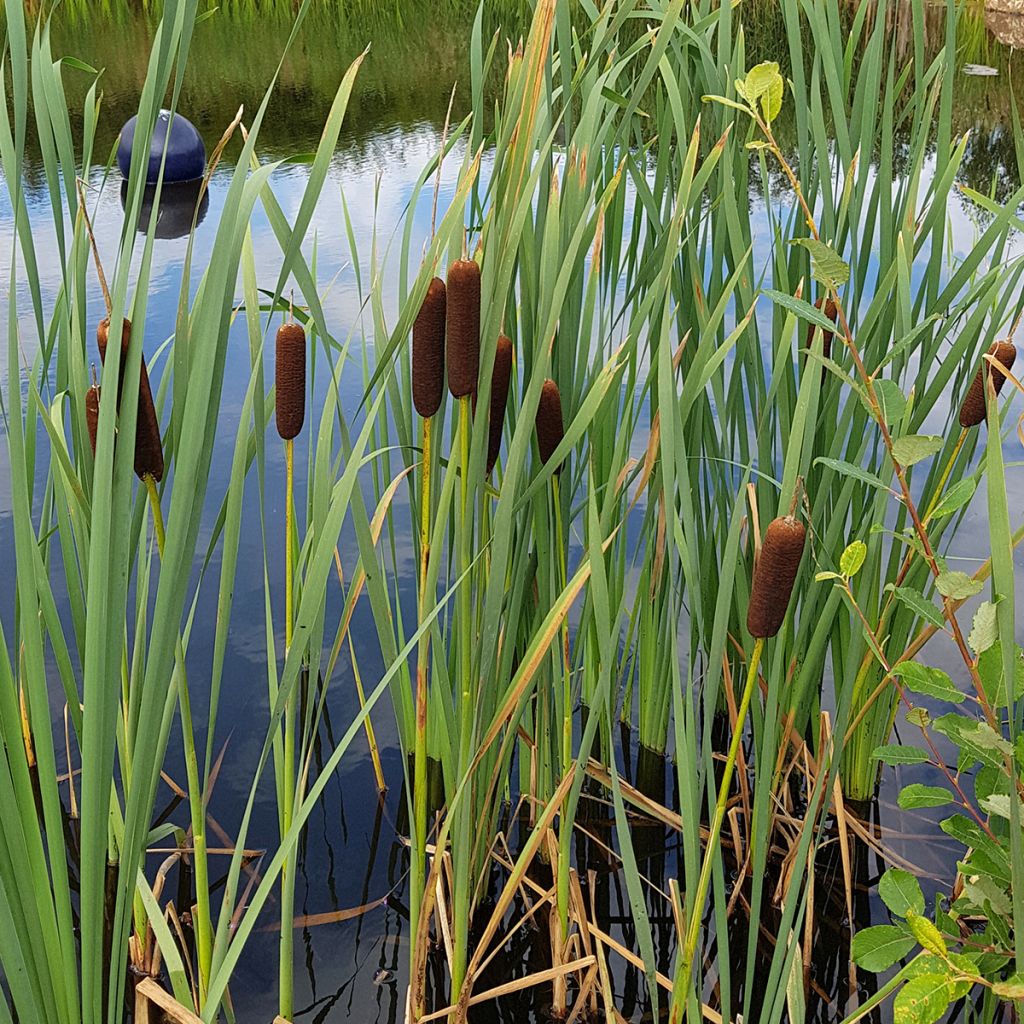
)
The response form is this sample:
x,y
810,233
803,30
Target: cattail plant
x,y
972,412
550,429
463,318
290,380
92,413
501,375
974,409
428,350
427,391
149,455
463,366
770,593
774,575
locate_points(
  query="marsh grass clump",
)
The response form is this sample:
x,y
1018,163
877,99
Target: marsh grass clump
x,y
550,429
463,323
774,576
290,377
972,412
501,375
428,350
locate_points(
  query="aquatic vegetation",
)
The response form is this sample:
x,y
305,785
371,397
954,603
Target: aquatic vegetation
x,y
566,538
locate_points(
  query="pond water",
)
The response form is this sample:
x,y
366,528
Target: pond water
x,y
353,967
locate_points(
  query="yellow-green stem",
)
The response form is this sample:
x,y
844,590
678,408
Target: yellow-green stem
x,y
460,909
565,824
287,881
158,516
565,817
420,754
697,903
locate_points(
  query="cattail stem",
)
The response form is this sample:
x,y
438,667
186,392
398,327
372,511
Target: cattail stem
x,y
697,904
419,859
560,990
460,910
287,882
289,518
158,516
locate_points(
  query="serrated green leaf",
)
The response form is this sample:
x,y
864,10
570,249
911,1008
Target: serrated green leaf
x,y
851,560
760,79
800,307
878,948
922,1000
726,102
919,604
771,101
927,934
900,753
900,891
827,266
849,469
957,585
984,630
990,669
955,498
987,895
964,830
999,805
963,732
891,399
932,682
919,795
913,448
983,735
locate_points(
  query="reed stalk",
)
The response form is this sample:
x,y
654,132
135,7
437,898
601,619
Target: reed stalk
x,y
428,388
291,408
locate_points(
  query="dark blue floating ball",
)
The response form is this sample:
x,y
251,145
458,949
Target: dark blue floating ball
x,y
186,155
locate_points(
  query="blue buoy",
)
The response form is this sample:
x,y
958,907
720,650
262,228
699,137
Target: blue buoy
x,y
186,155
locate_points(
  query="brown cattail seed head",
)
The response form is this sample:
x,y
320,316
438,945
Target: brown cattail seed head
x,y
92,413
828,306
549,420
291,380
500,377
149,456
463,327
774,574
428,351
972,412
103,336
